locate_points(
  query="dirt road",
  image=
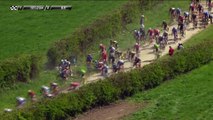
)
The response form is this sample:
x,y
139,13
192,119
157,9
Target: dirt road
x,y
114,111
146,51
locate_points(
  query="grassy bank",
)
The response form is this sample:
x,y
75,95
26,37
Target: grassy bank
x,y
125,40
34,31
187,97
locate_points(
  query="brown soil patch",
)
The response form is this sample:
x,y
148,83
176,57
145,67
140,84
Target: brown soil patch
x,y
114,111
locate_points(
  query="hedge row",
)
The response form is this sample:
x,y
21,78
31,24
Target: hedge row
x,y
118,86
105,27
26,67
20,69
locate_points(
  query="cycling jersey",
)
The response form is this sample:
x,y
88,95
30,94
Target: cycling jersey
x,y
20,100
160,38
192,7
102,47
165,34
89,58
171,51
180,18
104,55
156,46
174,30
137,60
194,16
111,49
150,32
120,63
206,13
156,31
178,11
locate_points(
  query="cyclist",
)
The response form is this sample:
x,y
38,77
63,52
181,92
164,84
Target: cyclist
x,y
20,101
186,15
180,46
181,28
45,91
102,47
172,12
210,18
114,68
142,32
105,70
137,62
156,33
142,20
136,35
165,37
104,56
171,51
194,20
130,54
156,47
178,12
205,18
120,65
32,95
137,48
54,88
174,32
89,61
200,8
191,7
164,24
151,33
180,19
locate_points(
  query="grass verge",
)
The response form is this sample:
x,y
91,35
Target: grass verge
x,y
186,97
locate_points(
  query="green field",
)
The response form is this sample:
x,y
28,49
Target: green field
x,y
125,40
188,97
34,31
